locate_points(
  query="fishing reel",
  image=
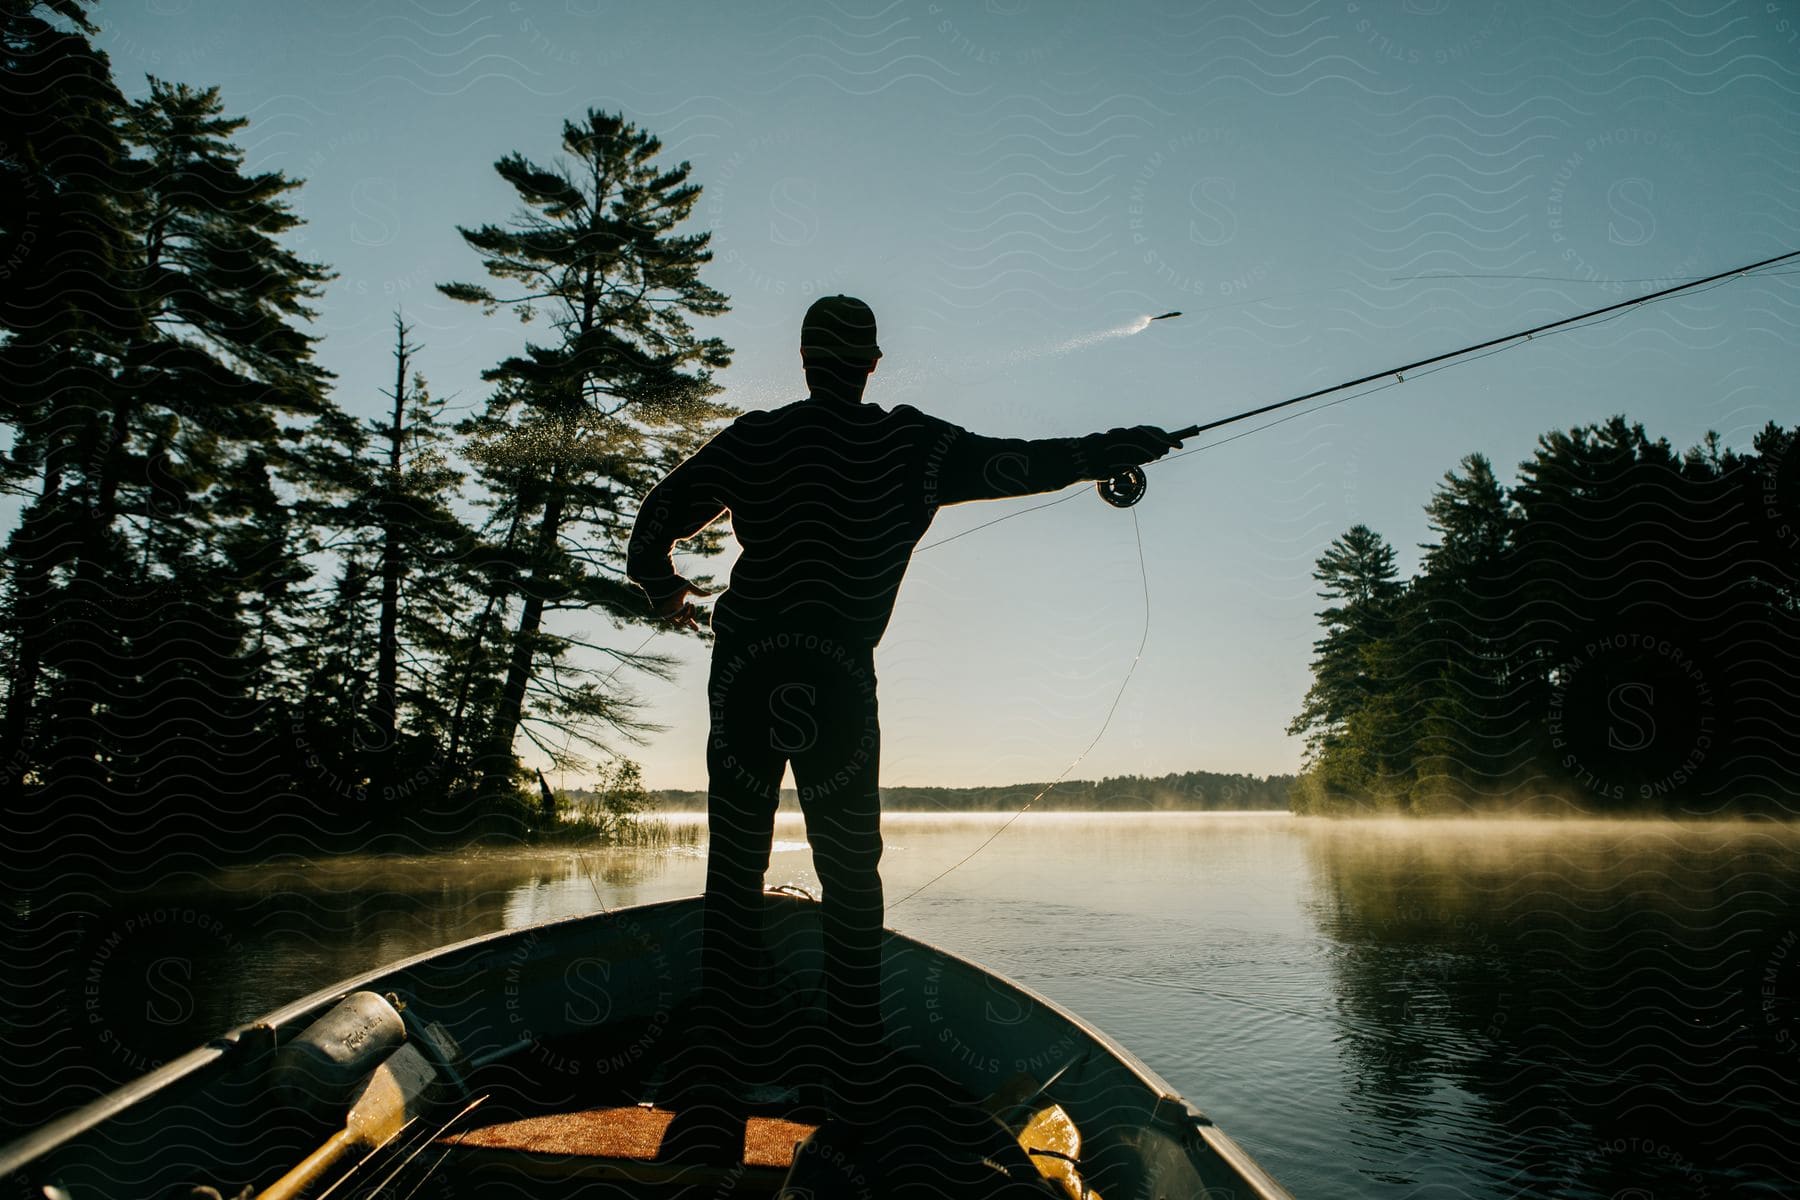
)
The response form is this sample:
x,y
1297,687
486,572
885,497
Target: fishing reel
x,y
1124,489
1127,487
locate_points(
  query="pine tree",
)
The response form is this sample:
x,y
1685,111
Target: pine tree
x,y
425,585
366,672
1617,631
1350,673
1469,513
177,497
63,311
393,515
579,427
1474,731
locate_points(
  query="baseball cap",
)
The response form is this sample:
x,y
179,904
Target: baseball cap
x,y
840,326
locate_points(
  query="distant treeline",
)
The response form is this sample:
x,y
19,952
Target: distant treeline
x,y
235,618
1617,632
1195,791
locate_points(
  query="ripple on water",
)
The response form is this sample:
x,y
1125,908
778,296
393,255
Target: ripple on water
x,y
1382,1010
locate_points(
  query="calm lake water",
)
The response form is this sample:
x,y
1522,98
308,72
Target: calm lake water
x,y
1388,1010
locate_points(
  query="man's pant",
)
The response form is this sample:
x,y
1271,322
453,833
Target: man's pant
x,y
809,701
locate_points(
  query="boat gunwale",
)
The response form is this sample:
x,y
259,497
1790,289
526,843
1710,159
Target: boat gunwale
x,y
18,1154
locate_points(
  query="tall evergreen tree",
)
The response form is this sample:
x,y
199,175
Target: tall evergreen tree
x,y
425,583
62,244
64,309
366,675
384,717
579,427
178,555
1457,643
216,387
1469,514
1357,573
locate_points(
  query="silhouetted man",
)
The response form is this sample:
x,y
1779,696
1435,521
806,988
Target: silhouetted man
x,y
827,496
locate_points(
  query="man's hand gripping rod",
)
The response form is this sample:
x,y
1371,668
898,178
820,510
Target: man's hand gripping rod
x,y
1127,487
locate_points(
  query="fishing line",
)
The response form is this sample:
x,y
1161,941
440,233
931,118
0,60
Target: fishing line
x,y
1143,640
1437,362
1112,710
1387,379
1075,490
425,1144
430,1171
374,1150
1069,495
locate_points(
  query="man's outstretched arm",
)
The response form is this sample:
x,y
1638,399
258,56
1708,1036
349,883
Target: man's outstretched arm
x,y
968,466
679,507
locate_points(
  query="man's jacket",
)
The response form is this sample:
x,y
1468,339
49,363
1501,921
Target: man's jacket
x,y
828,499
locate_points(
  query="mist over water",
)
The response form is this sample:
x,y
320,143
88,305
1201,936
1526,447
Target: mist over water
x,y
1375,1009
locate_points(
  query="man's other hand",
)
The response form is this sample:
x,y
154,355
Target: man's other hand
x,y
677,610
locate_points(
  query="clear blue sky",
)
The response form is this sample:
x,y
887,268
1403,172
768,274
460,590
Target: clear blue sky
x,y
999,177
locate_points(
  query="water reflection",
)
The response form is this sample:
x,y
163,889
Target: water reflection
x,y
1477,1009
245,941
1585,999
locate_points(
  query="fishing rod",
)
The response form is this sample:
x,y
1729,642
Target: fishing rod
x,y
1127,488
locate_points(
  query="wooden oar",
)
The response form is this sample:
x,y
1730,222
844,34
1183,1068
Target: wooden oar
x,y
396,1093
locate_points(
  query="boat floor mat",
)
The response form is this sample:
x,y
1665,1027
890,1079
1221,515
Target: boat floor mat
x,y
628,1133
950,1159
